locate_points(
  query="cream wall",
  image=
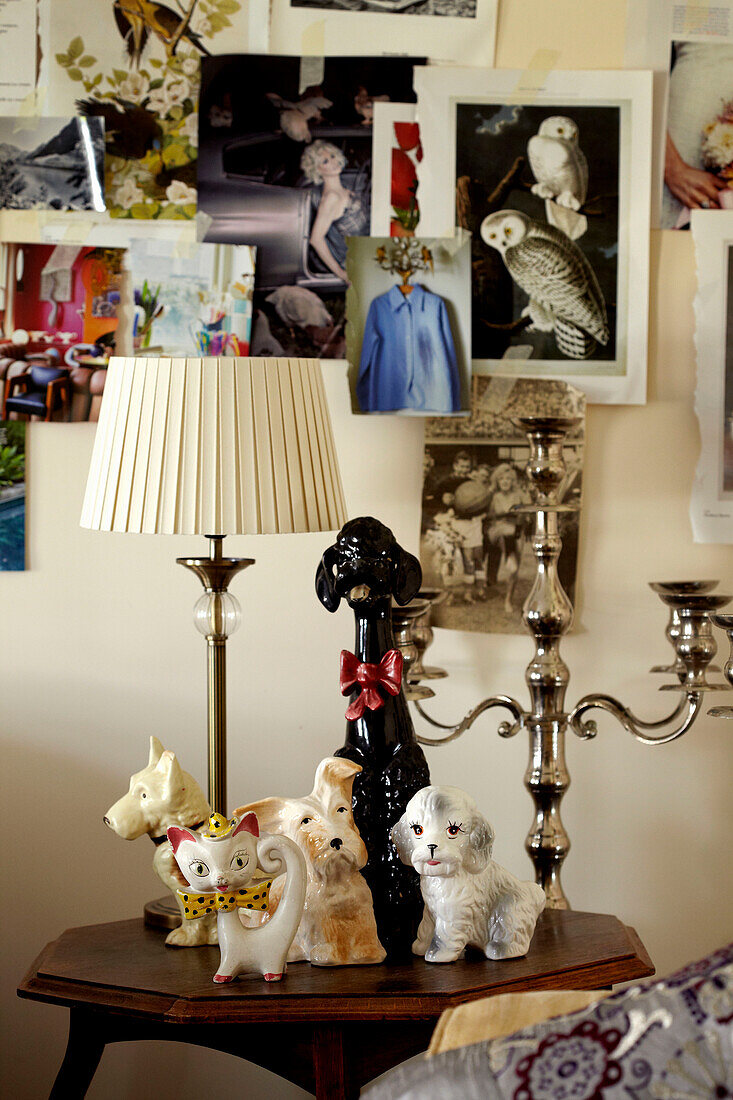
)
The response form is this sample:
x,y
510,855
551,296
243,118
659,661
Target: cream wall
x,y
99,651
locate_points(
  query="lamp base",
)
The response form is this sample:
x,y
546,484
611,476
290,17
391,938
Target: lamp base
x,y
162,913
215,572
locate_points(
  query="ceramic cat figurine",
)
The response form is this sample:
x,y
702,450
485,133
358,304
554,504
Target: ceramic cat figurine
x,y
221,867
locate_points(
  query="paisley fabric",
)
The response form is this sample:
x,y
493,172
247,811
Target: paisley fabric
x,y
661,1040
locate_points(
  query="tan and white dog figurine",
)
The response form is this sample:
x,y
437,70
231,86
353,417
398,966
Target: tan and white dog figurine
x,y
161,795
470,901
338,926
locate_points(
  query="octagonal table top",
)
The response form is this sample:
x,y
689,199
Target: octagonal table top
x,y
126,967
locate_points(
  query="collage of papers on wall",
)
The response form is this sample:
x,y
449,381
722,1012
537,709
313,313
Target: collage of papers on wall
x,y
266,178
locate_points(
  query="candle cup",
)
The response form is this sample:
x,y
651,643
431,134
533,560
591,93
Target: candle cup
x,y
403,619
422,636
695,645
545,467
725,622
673,626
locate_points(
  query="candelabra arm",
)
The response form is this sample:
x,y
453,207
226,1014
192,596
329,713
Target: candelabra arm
x,y
506,729
687,709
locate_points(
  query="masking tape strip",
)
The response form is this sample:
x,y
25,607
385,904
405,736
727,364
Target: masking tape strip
x,y
312,64
52,227
186,245
76,232
23,225
26,223
453,244
203,221
498,392
29,111
533,79
45,227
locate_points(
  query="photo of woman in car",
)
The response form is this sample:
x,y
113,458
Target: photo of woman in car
x,y
340,212
285,164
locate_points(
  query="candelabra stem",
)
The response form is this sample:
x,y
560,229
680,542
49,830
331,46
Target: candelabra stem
x,y
547,779
548,615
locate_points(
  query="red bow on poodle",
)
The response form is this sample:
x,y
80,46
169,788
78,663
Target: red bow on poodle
x,y
370,677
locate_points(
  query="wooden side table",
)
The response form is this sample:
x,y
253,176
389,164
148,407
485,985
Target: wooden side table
x,y
329,1030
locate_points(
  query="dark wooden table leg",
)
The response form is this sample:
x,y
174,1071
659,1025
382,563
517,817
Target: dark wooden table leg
x,y
329,1064
83,1052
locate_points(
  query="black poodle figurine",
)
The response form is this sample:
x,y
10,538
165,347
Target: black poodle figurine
x,y
367,567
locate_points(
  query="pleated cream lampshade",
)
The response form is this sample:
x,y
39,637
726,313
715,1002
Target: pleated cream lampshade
x,y
214,446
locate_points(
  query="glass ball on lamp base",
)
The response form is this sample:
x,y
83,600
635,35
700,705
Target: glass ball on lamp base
x,y
217,615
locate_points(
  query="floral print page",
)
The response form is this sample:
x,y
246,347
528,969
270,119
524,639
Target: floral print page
x,y
138,66
395,174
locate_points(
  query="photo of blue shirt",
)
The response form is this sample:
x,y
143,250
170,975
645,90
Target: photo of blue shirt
x,y
408,358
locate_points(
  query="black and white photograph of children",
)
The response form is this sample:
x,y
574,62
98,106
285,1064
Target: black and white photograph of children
x,y
474,545
538,188
285,164
52,164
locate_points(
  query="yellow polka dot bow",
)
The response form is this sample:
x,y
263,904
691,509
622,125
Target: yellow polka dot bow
x,y
255,897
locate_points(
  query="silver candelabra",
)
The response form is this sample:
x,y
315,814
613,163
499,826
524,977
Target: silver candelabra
x,y
548,615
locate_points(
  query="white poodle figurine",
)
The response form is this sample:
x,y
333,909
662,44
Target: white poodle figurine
x,y
469,899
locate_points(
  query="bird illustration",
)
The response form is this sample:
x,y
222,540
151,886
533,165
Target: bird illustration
x,y
221,115
131,130
137,19
296,305
364,104
561,170
295,117
564,295
184,173
263,342
427,258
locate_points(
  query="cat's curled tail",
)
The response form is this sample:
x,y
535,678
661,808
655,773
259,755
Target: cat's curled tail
x,y
273,851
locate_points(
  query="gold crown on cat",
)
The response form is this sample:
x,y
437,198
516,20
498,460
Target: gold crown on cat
x,y
219,827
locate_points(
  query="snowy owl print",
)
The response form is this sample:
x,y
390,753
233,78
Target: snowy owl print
x,y
545,294
563,291
560,168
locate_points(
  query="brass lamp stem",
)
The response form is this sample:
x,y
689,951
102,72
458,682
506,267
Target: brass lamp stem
x,y
215,572
217,723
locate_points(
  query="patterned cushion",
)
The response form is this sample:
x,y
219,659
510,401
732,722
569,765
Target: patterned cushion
x,y
661,1040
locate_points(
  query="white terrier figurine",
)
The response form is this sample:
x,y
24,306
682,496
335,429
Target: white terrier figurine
x,y
469,900
160,795
338,926
220,866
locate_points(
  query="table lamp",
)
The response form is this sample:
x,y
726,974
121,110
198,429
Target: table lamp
x,y
214,447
